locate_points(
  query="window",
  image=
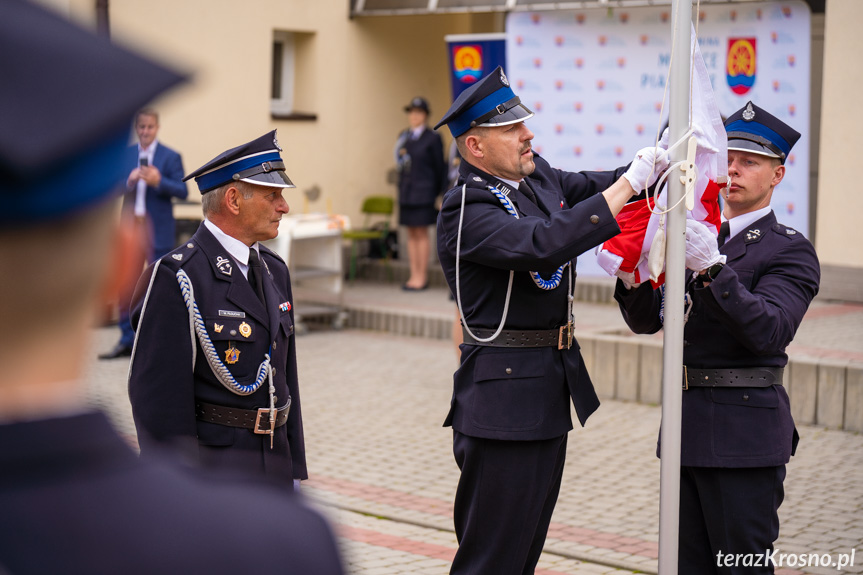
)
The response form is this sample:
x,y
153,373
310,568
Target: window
x,y
291,79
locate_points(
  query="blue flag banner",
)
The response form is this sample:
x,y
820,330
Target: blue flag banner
x,y
472,56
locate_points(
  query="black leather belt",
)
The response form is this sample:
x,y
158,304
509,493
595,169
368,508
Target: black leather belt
x,y
735,377
255,419
560,337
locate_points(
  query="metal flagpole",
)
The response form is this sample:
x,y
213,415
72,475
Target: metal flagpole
x,y
672,399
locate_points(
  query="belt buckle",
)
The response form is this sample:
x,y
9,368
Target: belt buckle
x,y
564,336
264,411
685,378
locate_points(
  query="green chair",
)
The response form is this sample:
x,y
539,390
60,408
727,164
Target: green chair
x,y
379,208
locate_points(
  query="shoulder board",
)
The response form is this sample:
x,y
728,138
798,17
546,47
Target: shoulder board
x,y
269,252
784,230
180,255
475,181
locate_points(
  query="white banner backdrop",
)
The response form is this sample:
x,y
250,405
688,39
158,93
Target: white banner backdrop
x,y
596,77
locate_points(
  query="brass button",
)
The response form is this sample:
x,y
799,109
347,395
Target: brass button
x,y
594,219
508,370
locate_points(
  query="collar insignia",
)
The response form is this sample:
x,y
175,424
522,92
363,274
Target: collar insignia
x,y
753,235
224,265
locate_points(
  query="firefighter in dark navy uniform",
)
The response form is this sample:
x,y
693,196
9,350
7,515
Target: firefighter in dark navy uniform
x,y
508,237
225,384
75,498
749,291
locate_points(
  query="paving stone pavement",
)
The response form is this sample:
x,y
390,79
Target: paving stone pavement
x,y
382,469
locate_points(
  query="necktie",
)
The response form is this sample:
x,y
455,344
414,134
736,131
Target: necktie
x,y
255,278
525,189
724,231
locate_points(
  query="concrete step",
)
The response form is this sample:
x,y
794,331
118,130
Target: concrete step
x,y
824,377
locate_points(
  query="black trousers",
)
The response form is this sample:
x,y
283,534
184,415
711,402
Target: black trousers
x,y
728,511
504,501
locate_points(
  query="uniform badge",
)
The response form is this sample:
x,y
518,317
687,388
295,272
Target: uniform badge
x,y
753,235
224,265
790,232
477,179
286,306
218,327
245,329
232,355
749,113
503,79
177,257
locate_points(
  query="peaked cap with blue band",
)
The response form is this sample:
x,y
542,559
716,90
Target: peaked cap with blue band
x,y
489,102
257,162
751,129
63,154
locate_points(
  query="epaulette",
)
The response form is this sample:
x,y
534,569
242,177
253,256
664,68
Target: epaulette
x,y
270,252
785,231
180,254
474,181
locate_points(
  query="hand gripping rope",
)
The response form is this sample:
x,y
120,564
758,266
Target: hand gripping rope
x,y
549,284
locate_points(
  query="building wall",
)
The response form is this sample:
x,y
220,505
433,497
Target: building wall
x,y
356,76
840,202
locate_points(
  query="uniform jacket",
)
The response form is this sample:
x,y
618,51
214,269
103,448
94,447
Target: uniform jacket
x,y
422,179
745,318
164,384
77,500
521,394
160,210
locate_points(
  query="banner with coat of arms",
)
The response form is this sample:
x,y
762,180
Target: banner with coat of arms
x,y
596,77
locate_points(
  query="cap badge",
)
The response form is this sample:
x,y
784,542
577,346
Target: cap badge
x,y
749,113
177,257
245,329
232,355
276,142
503,79
224,265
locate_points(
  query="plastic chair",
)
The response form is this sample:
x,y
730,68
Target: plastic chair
x,y
374,207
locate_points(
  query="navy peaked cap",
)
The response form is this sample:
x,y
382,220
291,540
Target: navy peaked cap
x,y
69,99
489,102
751,129
418,104
257,162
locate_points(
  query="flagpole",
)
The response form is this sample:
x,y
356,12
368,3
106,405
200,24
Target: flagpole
x,y
672,359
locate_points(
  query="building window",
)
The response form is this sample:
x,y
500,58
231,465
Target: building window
x,y
292,81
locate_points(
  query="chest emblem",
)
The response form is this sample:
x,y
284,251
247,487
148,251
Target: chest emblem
x,y
224,265
232,355
245,329
286,306
218,327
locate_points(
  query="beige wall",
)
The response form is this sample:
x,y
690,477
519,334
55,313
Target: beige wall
x,y
839,234
359,75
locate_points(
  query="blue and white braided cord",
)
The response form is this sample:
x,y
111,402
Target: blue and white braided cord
x,y
554,281
219,369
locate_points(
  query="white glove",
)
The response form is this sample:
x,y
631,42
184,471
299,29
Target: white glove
x,y
701,248
643,173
